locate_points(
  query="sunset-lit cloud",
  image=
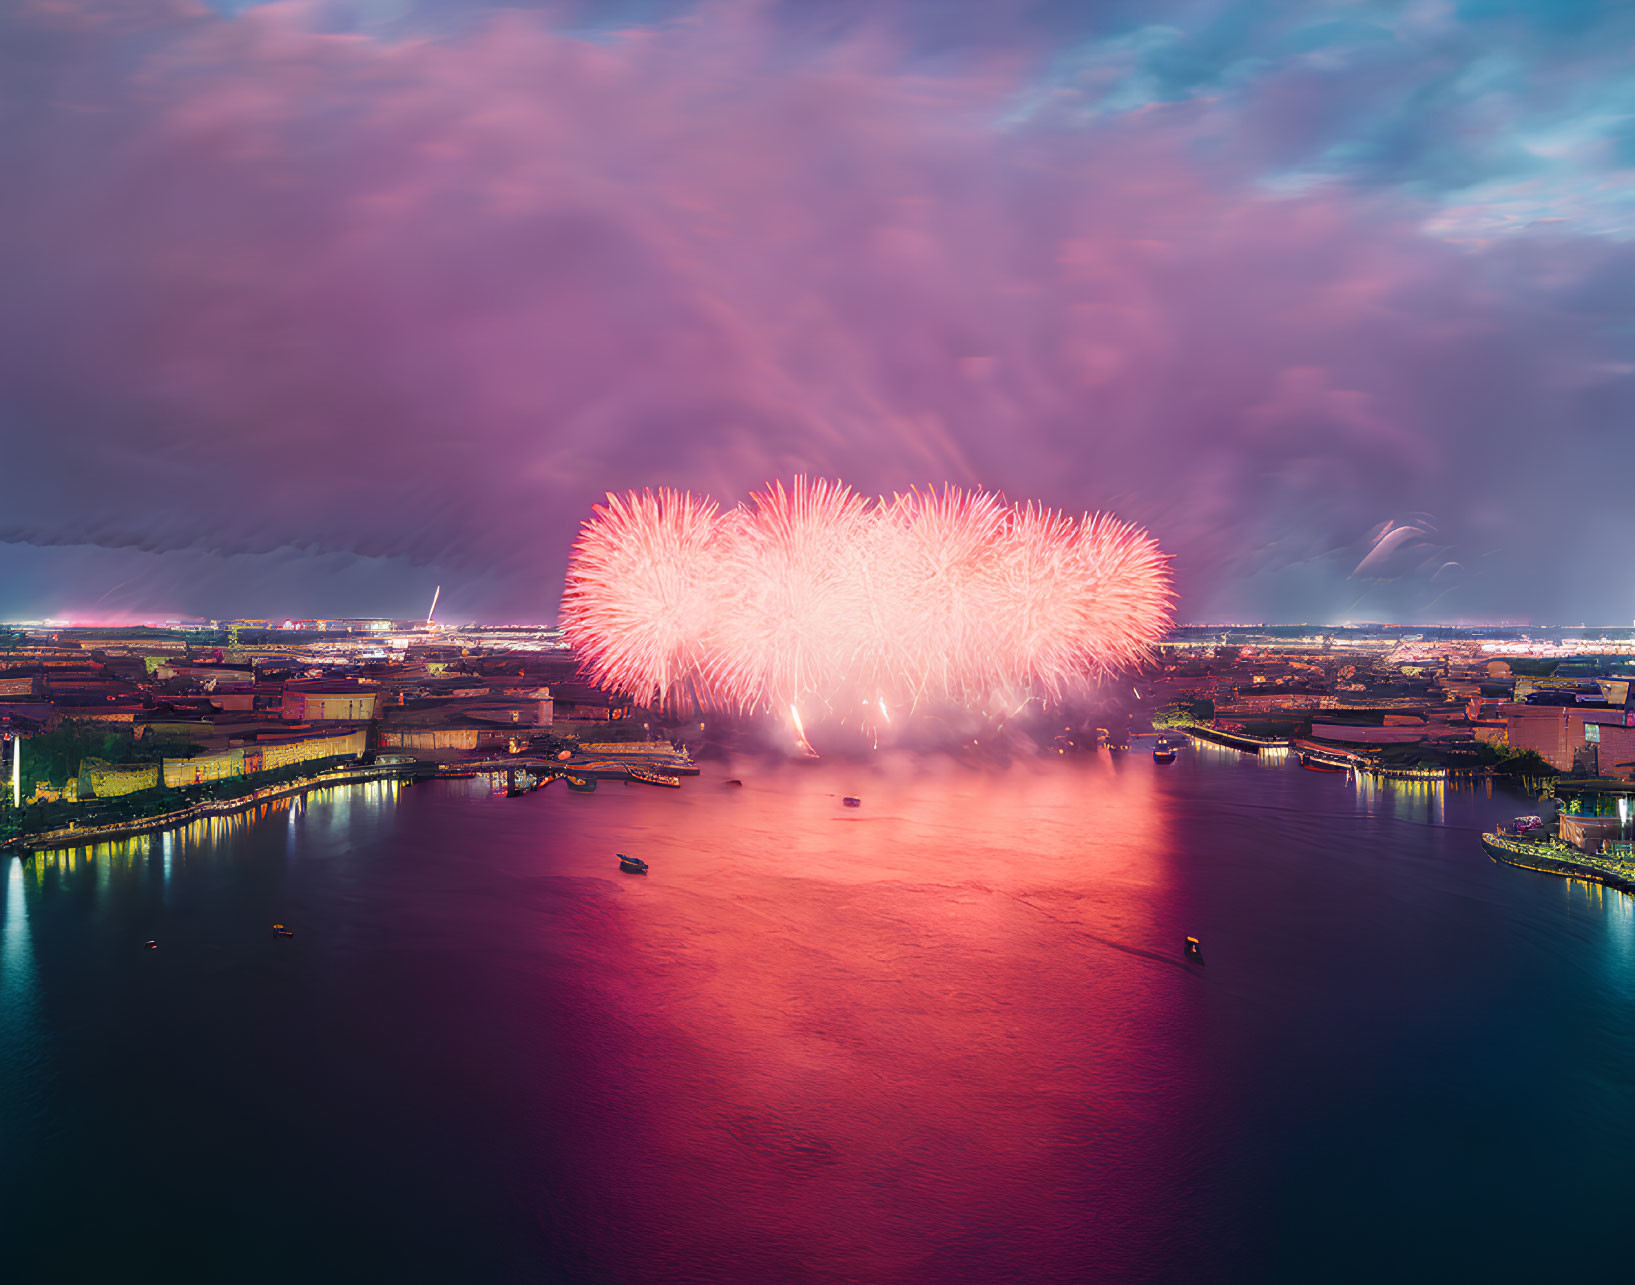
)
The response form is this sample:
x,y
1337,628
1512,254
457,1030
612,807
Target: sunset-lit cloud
x,y
332,303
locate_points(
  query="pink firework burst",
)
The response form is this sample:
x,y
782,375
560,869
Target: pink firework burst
x,y
815,593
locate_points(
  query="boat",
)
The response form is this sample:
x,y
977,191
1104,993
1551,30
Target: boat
x,y
852,802
150,945
282,931
582,784
1193,951
1313,764
647,776
633,865
1163,752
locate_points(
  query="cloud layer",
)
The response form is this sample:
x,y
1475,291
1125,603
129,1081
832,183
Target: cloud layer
x,y
408,291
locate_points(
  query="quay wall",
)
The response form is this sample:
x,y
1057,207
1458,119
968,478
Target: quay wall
x,y
76,836
1234,740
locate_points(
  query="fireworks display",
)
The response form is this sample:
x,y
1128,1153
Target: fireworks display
x,y
814,594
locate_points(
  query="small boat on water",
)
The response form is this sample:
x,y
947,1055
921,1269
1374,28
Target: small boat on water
x,y
150,945
281,931
1193,951
852,802
1313,764
1163,752
632,865
647,776
582,784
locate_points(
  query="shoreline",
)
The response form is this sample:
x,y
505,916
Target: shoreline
x,y
1552,859
27,845
1234,740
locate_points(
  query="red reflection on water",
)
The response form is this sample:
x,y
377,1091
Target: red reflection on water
x,y
943,1030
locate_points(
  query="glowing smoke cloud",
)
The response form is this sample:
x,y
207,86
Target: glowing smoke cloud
x,y
816,593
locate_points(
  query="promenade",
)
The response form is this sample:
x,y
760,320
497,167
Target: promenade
x,y
74,835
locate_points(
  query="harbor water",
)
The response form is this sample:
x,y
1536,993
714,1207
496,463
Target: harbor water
x,y
948,1034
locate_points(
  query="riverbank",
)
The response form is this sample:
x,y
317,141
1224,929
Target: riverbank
x,y
74,835
1234,740
1556,858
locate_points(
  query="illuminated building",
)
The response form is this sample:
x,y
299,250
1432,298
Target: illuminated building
x,y
268,753
323,701
1565,736
109,780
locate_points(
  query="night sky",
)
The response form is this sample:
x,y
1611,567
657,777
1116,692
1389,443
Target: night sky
x,y
309,308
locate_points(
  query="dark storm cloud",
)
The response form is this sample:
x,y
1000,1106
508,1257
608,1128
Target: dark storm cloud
x,y
403,290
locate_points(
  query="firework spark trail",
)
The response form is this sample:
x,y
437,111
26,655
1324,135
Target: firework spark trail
x,y
814,593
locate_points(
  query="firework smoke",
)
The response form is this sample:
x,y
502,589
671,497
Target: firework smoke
x,y
817,596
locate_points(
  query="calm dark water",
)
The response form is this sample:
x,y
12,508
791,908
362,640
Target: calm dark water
x,y
946,1036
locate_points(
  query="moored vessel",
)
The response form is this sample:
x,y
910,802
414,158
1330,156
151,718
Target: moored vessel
x,y
632,865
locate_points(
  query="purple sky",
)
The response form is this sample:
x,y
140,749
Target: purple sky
x,y
309,308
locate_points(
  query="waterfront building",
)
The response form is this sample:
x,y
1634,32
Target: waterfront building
x,y
284,749
101,780
1562,734
219,765
437,738
1589,833
322,701
1615,751
267,753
